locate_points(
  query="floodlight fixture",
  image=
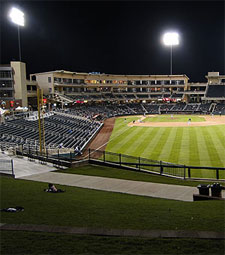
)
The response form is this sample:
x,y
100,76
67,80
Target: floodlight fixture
x,y
17,17
171,39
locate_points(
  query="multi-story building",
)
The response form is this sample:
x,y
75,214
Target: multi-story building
x,y
108,87
69,87
127,88
15,89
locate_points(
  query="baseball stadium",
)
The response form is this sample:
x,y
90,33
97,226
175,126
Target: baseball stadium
x,y
126,139
112,128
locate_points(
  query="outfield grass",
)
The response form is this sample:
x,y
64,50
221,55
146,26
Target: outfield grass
x,y
91,208
13,242
173,118
196,146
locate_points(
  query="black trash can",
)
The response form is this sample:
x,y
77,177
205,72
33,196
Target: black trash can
x,y
216,189
203,189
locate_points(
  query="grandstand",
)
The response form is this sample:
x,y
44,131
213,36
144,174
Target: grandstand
x,y
78,101
61,130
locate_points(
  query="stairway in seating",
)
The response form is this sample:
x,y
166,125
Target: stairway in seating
x,y
212,107
64,98
144,108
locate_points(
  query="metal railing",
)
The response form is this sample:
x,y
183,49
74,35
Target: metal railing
x,y
157,167
57,159
6,167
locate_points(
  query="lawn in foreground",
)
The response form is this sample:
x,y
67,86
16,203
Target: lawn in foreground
x,y
196,146
91,208
174,118
13,242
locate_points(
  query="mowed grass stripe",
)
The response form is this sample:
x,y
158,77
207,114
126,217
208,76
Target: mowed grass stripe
x,y
150,143
193,152
212,147
220,133
174,155
141,142
218,143
117,141
160,142
165,152
184,148
122,144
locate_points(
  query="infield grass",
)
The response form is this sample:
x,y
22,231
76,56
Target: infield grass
x,y
173,118
195,146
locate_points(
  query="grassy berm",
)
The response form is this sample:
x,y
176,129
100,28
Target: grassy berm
x,y
89,208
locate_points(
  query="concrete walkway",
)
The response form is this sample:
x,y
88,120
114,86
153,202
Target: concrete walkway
x,y
176,192
114,232
23,167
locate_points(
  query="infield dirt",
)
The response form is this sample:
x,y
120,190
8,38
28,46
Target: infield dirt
x,y
209,121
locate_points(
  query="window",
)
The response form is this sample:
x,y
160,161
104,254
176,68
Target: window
x,y
158,82
173,82
144,82
5,74
57,80
67,81
49,79
6,84
152,83
167,82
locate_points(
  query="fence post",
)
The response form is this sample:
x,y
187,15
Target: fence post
x,y
89,153
161,168
189,172
104,156
184,172
139,159
120,159
58,154
217,174
12,168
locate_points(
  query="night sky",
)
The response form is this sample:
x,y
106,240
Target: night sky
x,y
121,37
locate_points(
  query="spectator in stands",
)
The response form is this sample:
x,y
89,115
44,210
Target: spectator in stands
x,y
61,145
77,151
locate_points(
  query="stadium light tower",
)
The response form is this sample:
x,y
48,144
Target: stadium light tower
x,y
171,39
17,17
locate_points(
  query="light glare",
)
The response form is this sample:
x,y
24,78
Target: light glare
x,y
17,16
171,38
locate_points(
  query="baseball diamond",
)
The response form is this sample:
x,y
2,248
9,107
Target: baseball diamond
x,y
175,142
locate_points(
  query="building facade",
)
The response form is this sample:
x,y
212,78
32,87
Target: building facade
x,y
15,89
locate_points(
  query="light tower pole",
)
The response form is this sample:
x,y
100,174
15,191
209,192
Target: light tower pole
x,y
171,39
17,17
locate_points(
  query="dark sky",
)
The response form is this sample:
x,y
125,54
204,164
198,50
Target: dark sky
x,y
120,37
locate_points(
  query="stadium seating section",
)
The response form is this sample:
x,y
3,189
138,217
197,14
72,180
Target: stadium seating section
x,y
76,126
